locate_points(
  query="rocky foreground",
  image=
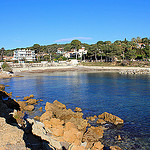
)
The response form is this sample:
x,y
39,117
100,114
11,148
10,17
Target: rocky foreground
x,y
58,128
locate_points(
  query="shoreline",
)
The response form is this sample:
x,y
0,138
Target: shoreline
x,y
76,68
19,72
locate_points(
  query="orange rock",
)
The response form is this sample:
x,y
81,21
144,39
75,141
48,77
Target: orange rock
x,y
29,108
92,118
101,121
69,125
97,146
46,116
47,124
115,148
26,98
58,131
56,122
40,109
72,135
49,107
111,118
77,109
93,134
31,96
22,104
37,118
31,101
59,104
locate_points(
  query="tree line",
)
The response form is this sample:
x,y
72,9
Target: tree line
x,y
137,48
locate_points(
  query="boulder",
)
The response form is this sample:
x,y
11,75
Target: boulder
x,y
100,121
46,116
56,122
11,137
54,126
66,114
2,87
111,118
59,104
77,109
80,123
92,118
29,108
97,146
93,134
31,96
26,98
22,104
57,131
72,135
31,101
49,107
69,125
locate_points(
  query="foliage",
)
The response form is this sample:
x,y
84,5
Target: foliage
x,y
137,48
19,116
6,67
76,44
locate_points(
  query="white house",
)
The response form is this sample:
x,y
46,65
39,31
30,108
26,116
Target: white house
x,y
69,54
72,53
24,54
82,52
60,51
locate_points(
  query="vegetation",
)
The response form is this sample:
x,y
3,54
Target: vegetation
x,y
6,67
136,49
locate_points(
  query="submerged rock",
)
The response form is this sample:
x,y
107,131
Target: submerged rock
x,y
97,146
111,118
29,108
115,148
100,121
77,109
31,101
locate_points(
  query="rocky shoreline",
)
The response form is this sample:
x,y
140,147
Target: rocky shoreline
x,y
57,128
135,71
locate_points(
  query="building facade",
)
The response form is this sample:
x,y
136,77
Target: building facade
x,y
24,55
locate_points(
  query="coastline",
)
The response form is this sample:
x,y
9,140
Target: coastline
x,y
18,72
76,68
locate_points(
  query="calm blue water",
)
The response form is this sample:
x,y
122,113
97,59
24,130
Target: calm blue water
x,y
125,96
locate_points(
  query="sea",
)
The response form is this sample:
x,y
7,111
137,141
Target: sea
x,y
126,96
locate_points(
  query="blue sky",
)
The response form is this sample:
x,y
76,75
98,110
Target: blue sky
x,y
27,22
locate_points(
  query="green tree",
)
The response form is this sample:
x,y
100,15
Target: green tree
x,y
36,47
2,53
76,44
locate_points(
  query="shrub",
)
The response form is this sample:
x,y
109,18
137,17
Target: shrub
x,y
6,67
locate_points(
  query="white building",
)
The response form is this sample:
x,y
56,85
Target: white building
x,y
69,54
60,51
72,54
82,52
24,54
